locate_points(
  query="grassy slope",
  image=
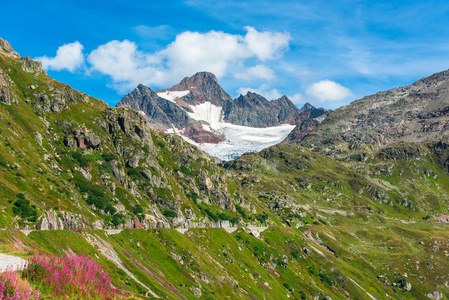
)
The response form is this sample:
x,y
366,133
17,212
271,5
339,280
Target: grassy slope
x,y
382,195
239,266
29,168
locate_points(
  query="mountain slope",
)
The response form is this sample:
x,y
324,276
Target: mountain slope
x,y
414,113
69,161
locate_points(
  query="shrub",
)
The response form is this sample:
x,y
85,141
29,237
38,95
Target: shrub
x,y
211,215
137,209
286,285
303,295
81,159
234,220
186,170
3,162
23,208
110,209
312,270
118,219
426,217
135,174
262,218
170,213
324,278
193,196
97,202
108,157
240,211
224,217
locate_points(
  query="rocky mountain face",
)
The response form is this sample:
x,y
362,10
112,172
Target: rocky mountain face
x,y
198,109
203,87
162,115
415,113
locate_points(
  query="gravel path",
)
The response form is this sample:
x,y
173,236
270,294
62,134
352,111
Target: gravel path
x,y
9,261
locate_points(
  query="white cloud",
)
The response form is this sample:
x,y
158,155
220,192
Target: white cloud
x,y
256,72
190,52
266,45
327,90
263,90
296,98
212,51
69,57
125,64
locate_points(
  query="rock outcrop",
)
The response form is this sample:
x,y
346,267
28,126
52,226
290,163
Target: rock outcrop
x,y
6,46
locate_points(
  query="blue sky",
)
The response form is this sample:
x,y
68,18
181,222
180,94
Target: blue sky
x,y
328,53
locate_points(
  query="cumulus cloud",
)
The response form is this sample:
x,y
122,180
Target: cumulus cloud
x,y
327,90
265,45
69,57
212,51
256,72
263,90
126,66
296,98
190,52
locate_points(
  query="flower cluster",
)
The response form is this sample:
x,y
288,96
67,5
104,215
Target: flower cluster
x,y
12,287
75,275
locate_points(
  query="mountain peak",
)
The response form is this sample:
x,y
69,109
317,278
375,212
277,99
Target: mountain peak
x,y
203,87
307,106
202,75
251,99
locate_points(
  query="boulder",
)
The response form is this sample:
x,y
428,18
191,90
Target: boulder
x,y
405,285
38,138
435,295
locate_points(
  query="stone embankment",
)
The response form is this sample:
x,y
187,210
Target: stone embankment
x,y
253,230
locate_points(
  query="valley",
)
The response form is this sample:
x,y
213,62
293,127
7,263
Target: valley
x,y
329,205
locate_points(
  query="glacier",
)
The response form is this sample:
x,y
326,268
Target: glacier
x,y
238,139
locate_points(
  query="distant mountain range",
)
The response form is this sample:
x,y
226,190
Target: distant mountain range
x,y
200,111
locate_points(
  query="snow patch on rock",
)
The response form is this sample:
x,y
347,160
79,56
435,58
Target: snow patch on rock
x,y
172,95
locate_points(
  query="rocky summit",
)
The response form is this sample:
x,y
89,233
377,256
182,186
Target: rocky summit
x,y
199,110
90,191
